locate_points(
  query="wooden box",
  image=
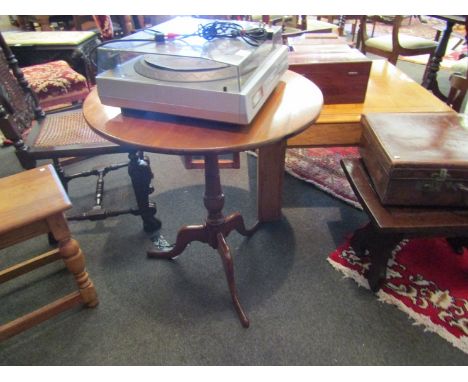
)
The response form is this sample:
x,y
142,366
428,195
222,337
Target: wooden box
x,y
340,72
417,159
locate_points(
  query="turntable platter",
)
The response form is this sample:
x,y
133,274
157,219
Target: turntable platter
x,y
191,64
180,68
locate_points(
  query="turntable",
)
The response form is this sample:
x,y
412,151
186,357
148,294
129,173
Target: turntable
x,y
171,69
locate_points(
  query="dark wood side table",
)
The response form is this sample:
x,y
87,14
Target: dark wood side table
x,y
74,47
389,225
292,107
430,80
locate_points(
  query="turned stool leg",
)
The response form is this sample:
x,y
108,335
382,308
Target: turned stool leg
x,y
75,262
73,258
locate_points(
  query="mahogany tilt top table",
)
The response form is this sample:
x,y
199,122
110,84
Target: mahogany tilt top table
x,y
292,107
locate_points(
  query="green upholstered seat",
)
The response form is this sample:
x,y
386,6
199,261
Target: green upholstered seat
x,y
406,41
461,66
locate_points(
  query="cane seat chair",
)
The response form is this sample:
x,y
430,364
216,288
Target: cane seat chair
x,y
393,45
37,136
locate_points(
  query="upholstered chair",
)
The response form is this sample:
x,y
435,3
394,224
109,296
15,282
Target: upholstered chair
x,y
56,84
393,45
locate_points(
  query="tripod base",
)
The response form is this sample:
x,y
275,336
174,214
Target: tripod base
x,y
214,232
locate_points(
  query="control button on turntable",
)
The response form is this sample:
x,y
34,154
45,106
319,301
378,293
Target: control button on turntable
x,y
257,96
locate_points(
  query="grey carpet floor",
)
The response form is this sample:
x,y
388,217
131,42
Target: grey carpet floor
x,y
156,312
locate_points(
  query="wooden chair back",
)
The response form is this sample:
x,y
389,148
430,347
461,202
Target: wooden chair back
x,y
16,96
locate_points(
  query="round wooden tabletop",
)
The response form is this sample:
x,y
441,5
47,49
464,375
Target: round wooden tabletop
x,y
292,107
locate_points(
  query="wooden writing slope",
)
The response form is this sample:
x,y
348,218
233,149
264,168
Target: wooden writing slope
x,y
389,225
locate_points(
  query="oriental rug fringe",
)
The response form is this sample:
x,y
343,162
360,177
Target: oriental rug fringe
x,y
425,279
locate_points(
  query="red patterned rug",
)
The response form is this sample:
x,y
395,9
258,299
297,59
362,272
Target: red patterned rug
x,y
426,279
321,167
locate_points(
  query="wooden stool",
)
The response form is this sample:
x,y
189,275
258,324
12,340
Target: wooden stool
x,y
32,203
389,225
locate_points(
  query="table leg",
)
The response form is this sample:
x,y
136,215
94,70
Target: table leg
x,y
380,246
458,244
430,77
214,231
270,175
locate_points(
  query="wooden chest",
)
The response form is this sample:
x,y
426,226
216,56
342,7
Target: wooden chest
x,y
417,159
340,72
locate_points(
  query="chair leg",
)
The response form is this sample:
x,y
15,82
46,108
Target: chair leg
x,y
393,59
353,31
427,69
458,244
24,158
61,173
140,173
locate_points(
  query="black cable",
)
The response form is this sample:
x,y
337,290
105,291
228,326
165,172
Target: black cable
x,y
218,29
252,36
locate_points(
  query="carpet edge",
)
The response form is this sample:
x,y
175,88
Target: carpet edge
x,y
420,319
416,318
350,274
323,188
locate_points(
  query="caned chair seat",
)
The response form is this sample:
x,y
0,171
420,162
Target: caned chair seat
x,y
64,129
56,83
407,42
